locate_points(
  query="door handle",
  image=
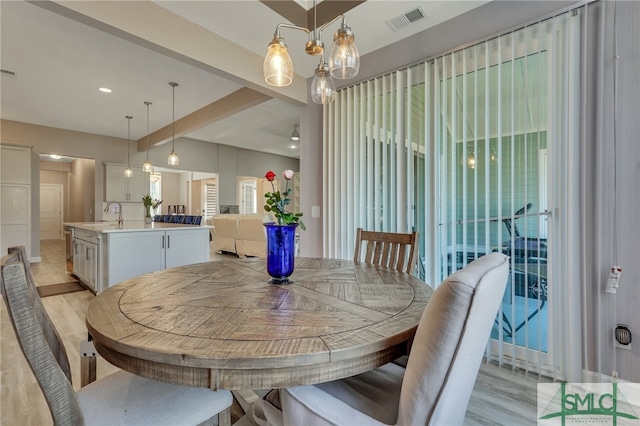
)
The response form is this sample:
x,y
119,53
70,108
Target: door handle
x,y
163,241
168,241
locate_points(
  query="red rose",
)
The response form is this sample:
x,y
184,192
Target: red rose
x,y
270,176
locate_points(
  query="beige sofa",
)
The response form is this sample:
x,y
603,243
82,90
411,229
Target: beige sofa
x,y
242,234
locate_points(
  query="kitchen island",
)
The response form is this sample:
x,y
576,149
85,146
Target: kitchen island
x,y
105,253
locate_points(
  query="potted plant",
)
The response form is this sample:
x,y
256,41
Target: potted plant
x,y
149,204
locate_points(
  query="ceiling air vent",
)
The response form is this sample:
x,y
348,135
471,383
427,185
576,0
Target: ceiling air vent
x,y
400,21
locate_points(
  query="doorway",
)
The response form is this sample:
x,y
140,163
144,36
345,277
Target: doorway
x,y
51,211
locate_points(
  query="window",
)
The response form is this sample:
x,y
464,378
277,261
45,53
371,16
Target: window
x,y
155,186
210,199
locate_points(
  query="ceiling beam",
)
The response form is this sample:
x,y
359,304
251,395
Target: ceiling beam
x,y
229,105
289,10
324,12
329,9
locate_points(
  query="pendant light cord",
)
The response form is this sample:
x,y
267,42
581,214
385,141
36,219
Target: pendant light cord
x,y
128,140
173,119
148,103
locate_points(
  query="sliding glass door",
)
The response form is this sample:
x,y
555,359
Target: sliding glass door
x,y
470,149
493,145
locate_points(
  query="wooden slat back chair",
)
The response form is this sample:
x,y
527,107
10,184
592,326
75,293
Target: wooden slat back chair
x,y
388,249
87,352
19,254
119,398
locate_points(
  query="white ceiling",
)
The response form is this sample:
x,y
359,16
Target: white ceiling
x,y
60,63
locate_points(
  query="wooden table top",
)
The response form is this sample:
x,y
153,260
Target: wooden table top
x,y
221,325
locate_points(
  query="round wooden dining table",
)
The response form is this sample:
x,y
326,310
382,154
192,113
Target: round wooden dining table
x,y
221,325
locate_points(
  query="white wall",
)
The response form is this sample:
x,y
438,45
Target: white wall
x,y
200,156
311,178
170,190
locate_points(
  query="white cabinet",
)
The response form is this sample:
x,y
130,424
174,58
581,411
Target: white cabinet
x,y
86,257
118,187
15,198
15,165
133,253
129,254
186,247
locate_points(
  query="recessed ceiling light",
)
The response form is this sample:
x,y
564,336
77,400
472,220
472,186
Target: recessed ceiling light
x,y
55,156
293,147
105,90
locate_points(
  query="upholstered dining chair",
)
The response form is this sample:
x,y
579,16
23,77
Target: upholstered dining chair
x,y
388,249
441,370
117,399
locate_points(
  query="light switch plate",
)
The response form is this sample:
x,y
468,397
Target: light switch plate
x,y
315,211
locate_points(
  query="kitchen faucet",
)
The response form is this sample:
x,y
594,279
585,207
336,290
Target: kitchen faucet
x,y
106,209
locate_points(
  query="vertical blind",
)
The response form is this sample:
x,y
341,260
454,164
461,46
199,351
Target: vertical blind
x,y
211,199
462,148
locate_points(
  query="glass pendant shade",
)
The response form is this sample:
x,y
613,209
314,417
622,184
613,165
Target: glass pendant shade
x,y
344,59
147,167
323,89
278,68
173,158
128,172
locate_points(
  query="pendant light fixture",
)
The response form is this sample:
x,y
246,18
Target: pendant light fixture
x,y
344,61
323,89
295,136
173,157
128,172
146,166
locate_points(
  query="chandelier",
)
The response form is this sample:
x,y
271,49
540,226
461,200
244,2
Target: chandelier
x,y
343,63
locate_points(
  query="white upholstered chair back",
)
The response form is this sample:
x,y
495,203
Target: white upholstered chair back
x,y
449,344
441,370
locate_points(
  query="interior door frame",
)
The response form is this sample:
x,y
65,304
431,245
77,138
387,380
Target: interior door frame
x,y
61,222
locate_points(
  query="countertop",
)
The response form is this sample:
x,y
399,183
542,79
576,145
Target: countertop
x,y
130,226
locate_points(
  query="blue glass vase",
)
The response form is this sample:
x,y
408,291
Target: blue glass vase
x,y
281,246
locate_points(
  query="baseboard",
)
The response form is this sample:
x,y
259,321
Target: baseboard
x,y
35,259
595,377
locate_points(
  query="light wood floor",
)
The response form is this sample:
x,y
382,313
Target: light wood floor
x,y
500,397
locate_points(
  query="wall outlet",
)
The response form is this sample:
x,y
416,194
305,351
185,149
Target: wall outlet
x,y
619,345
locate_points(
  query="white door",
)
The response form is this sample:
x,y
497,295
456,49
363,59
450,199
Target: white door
x,y
209,199
248,196
51,211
